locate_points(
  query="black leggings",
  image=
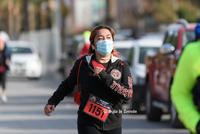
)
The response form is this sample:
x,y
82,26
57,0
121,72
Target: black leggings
x,y
87,129
3,79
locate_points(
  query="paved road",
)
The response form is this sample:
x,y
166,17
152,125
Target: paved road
x,y
23,113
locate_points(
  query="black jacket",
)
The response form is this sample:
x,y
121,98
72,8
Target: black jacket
x,y
113,90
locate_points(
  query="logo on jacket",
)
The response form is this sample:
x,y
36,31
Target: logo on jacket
x,y
116,74
93,98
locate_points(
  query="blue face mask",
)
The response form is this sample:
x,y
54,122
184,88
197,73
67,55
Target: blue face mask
x,y
105,47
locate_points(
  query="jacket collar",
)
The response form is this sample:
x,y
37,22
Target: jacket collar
x,y
89,57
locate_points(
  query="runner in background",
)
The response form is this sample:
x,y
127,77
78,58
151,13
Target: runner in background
x,y
185,89
85,48
4,66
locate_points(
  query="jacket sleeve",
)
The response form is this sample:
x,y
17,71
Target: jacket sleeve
x,y
7,52
122,89
66,86
183,83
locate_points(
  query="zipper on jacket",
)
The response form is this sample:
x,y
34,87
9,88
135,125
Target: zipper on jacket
x,y
91,68
93,71
109,69
101,126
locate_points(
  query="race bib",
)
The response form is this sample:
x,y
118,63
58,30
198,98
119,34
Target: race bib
x,y
97,108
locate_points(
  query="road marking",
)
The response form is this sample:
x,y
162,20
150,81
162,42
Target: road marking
x,y
20,117
74,131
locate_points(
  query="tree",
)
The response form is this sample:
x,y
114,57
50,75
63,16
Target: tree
x,y
4,15
188,11
167,11
64,12
25,26
111,11
164,12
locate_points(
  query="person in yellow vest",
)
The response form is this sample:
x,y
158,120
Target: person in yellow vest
x,y
85,48
185,89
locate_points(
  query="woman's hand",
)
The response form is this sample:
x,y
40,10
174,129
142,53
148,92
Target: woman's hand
x,y
97,70
7,62
49,109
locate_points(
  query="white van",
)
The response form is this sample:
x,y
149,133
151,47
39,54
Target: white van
x,y
136,57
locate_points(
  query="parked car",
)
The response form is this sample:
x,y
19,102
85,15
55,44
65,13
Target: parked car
x,y
161,66
74,46
136,56
123,47
25,60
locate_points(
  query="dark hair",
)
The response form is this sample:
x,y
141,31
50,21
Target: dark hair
x,y
94,33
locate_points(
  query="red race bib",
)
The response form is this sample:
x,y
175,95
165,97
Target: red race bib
x,y
97,108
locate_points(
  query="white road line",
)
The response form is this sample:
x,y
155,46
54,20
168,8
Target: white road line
x,y
36,107
19,117
74,131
